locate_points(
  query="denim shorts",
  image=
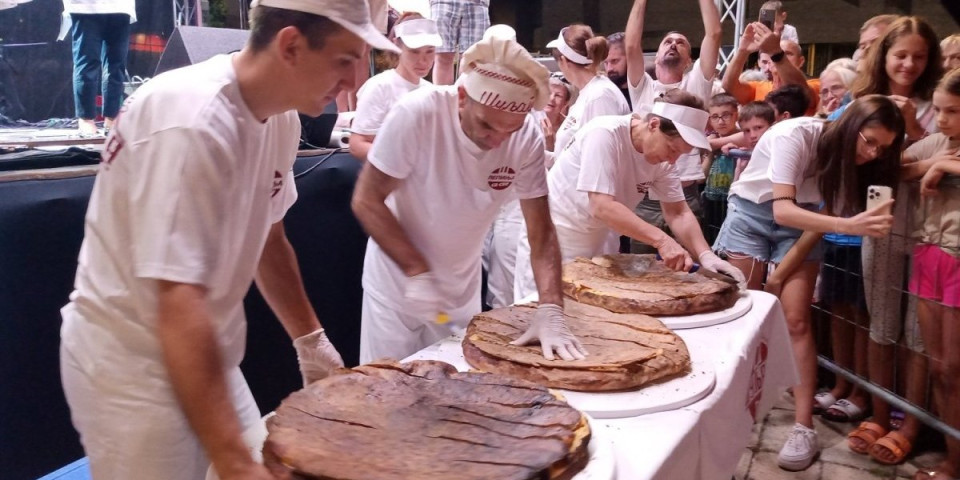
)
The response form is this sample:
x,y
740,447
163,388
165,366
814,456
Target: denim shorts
x,y
749,229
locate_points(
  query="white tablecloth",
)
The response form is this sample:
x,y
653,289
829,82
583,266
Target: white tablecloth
x,y
753,362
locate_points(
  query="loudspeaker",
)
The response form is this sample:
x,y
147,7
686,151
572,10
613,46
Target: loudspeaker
x,y
189,45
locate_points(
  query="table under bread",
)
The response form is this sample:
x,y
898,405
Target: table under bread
x,y
752,363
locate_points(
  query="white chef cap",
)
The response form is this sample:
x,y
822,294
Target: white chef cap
x,y
499,73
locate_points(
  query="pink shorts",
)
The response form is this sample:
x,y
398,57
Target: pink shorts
x,y
936,275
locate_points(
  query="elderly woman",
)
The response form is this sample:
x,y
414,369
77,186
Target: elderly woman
x,y
835,81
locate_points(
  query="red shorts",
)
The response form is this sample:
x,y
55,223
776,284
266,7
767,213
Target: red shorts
x,y
936,275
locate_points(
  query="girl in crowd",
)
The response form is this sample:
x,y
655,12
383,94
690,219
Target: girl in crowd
x,y
610,165
841,285
936,259
835,81
797,164
579,54
905,64
418,40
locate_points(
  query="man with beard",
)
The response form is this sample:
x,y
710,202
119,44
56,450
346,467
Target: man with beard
x,y
616,64
780,60
673,70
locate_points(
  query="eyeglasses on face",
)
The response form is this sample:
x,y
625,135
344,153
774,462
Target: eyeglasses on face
x,y
872,145
726,116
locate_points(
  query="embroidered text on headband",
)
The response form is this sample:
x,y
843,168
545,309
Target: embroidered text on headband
x,y
560,44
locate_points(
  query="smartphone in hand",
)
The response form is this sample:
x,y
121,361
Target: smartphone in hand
x,y
769,18
877,194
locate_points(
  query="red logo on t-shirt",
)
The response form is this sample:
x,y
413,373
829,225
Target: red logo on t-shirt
x,y
757,375
501,178
277,183
111,147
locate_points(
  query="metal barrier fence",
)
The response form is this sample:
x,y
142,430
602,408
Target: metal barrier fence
x,y
883,309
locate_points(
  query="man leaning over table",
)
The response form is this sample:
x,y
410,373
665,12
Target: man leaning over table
x,y
444,162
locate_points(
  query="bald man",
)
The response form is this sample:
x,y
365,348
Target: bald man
x,y
780,60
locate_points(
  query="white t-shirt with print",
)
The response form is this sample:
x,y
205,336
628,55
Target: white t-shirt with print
x,y
602,159
694,83
450,192
786,154
599,97
376,97
190,184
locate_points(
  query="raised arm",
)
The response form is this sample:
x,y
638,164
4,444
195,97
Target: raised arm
x,y
710,47
744,93
769,43
633,42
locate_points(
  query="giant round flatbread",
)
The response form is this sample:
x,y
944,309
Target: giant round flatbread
x,y
626,283
424,420
626,351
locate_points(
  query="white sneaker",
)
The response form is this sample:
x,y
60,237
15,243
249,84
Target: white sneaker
x,y
801,449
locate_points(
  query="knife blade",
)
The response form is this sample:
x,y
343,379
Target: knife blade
x,y
708,273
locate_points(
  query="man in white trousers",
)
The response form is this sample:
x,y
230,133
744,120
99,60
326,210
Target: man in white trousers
x,y
187,210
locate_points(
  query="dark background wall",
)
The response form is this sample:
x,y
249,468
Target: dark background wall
x,y
43,67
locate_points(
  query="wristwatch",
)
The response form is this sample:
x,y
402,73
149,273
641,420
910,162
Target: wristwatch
x,y
776,57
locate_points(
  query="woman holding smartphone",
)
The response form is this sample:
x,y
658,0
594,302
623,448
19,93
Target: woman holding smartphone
x,y
797,165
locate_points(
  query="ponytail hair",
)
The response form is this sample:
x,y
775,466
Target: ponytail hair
x,y
583,41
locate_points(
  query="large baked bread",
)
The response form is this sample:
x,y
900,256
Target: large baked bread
x,y
626,283
423,420
626,351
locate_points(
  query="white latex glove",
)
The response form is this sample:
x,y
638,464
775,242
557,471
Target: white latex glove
x,y
549,327
422,289
317,357
712,262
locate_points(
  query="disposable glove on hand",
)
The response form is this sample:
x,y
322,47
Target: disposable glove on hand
x,y
712,262
549,327
423,290
317,357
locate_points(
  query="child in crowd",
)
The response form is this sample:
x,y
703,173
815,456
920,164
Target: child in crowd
x,y
789,101
936,258
718,167
755,118
904,64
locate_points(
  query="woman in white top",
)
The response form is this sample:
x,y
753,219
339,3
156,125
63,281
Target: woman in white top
x,y
611,165
579,54
796,165
418,40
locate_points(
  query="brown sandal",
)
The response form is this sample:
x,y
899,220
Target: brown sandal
x,y
868,433
896,443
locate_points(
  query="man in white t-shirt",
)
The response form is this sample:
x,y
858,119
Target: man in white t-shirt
x,y
185,213
675,68
445,160
613,163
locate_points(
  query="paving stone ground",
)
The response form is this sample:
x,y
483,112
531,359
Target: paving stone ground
x,y
836,462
